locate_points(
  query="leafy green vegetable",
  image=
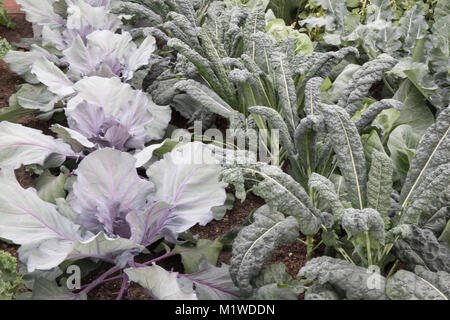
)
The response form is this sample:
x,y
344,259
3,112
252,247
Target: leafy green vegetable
x,y
255,244
355,283
5,20
10,280
50,187
4,47
191,256
338,279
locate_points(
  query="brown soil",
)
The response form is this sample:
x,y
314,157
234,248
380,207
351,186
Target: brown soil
x,y
110,289
232,219
292,255
10,248
8,79
23,29
8,83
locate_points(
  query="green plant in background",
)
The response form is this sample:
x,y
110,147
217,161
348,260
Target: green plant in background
x,y
4,47
230,64
10,279
422,46
278,29
4,20
420,79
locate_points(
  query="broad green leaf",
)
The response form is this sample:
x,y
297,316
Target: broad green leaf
x,y
371,143
191,256
413,26
402,145
64,208
442,9
44,289
36,97
445,235
335,14
76,140
220,211
382,12
145,156
102,246
387,119
161,283
14,112
340,83
415,112
50,187
419,75
368,116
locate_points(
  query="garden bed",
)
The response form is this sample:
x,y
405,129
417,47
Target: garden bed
x,y
293,256
347,198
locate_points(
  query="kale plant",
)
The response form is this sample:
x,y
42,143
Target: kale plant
x,y
227,63
338,279
360,216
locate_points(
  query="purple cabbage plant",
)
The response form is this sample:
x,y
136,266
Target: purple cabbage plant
x,y
56,25
110,113
104,53
112,214
74,39
104,112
